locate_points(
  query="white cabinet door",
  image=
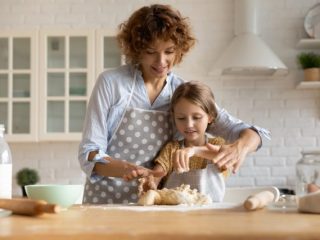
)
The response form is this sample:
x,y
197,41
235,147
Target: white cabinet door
x,y
108,53
18,84
66,80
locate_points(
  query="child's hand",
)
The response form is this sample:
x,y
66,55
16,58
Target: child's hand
x,y
181,159
145,184
181,156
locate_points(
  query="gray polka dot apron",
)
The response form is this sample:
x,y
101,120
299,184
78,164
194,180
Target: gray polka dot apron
x,y
138,138
209,181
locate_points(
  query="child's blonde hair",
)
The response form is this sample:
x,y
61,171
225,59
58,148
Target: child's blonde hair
x,y
197,93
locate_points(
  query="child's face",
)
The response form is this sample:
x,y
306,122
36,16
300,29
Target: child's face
x,y
191,121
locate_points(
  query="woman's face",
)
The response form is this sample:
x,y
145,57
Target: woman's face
x,y
191,121
157,60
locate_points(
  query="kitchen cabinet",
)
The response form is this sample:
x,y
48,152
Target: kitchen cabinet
x,y
66,73
18,84
46,78
108,51
310,44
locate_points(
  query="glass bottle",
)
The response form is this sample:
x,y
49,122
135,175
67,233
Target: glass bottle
x,y
5,167
308,172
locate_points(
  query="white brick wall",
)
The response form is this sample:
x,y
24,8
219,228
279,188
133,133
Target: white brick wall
x,y
292,115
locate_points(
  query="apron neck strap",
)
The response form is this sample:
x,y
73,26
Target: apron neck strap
x,y
132,88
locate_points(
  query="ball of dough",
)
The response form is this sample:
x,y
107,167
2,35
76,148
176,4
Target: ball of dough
x,y
176,196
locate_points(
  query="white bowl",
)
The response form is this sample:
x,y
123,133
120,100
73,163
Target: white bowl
x,y
63,195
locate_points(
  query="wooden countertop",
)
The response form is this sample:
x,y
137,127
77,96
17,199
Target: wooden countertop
x,y
105,222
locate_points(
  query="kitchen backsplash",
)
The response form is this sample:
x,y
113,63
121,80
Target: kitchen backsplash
x,y
291,115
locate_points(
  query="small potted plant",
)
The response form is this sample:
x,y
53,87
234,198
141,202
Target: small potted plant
x,y
310,63
27,176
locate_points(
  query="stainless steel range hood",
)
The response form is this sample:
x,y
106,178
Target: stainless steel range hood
x,y
248,54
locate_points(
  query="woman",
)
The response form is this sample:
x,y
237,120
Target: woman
x,y
127,119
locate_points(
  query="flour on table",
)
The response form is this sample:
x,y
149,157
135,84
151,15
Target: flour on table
x,y
175,196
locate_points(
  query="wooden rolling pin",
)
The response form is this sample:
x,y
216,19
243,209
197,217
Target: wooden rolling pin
x,y
259,200
28,207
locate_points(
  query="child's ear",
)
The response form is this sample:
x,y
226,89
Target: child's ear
x,y
210,119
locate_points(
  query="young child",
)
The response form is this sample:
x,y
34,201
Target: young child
x,y
187,160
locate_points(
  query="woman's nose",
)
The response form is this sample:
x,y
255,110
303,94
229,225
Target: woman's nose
x,y
161,58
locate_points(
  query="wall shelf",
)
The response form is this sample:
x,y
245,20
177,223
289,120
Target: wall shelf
x,y
309,85
309,43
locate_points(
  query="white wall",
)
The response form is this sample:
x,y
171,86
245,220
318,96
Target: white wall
x,y
292,115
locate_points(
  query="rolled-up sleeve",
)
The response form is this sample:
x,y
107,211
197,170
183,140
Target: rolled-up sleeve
x,y
87,166
95,130
230,127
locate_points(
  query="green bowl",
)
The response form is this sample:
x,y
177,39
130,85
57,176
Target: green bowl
x,y
63,195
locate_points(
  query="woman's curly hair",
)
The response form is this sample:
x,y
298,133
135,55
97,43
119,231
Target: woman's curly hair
x,y
150,23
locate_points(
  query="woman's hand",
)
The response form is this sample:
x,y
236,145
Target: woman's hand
x,y
142,172
122,169
229,156
233,155
118,168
